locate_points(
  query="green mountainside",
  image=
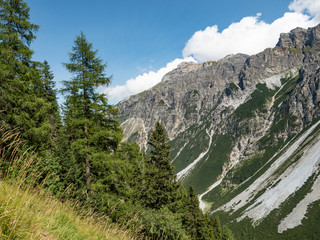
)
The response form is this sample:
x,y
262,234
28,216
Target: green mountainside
x,y
244,132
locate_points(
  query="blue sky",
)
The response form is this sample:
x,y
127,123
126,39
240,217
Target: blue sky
x,y
139,38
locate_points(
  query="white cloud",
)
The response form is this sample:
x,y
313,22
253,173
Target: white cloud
x,y
142,82
312,7
251,35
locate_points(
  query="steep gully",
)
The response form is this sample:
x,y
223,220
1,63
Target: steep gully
x,y
272,82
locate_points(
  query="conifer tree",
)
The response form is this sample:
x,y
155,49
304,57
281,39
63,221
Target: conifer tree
x,y
46,118
47,88
21,105
192,215
50,95
162,188
90,124
24,101
16,34
196,223
217,230
227,234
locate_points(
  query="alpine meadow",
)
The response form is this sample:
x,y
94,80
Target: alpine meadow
x,y
216,149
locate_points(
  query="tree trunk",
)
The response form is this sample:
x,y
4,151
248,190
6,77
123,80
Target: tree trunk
x,y
87,161
86,136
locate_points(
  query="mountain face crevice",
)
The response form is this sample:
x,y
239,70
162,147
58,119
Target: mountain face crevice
x,y
239,121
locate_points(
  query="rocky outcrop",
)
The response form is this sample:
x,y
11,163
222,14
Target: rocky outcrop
x,y
270,62
297,38
304,100
300,38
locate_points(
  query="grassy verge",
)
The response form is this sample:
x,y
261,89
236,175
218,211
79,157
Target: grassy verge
x,y
26,213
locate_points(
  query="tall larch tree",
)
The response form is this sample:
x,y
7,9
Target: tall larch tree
x,y
89,120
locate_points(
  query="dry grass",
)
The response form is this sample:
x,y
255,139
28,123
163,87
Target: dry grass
x,y
28,214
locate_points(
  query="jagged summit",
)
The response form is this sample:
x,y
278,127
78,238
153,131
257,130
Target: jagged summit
x,y
300,38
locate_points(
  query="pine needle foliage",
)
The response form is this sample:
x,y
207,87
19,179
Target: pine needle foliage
x,y
89,121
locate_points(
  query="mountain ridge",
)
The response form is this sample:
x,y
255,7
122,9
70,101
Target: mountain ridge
x,y
236,69
229,121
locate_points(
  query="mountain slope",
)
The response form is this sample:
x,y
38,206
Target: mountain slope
x,y
26,213
244,131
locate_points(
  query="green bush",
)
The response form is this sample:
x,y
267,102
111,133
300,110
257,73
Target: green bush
x,y
161,224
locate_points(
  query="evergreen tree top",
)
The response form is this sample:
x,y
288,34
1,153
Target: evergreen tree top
x,y
86,67
15,25
158,137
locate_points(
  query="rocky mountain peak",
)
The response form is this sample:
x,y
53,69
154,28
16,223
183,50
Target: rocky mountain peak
x,y
300,38
185,65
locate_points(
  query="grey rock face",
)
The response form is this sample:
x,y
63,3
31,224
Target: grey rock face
x,y
304,100
184,96
266,64
295,39
300,38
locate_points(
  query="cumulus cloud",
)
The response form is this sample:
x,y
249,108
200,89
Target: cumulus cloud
x,y
142,82
251,35
312,7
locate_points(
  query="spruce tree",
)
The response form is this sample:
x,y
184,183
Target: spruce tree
x,y
47,85
45,117
195,222
16,34
227,234
162,188
50,95
217,230
192,215
89,120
